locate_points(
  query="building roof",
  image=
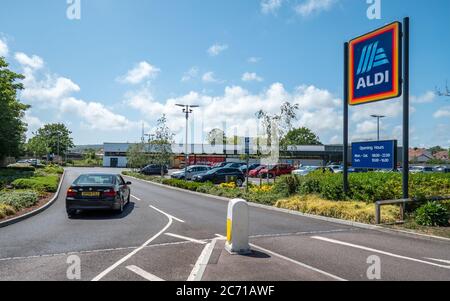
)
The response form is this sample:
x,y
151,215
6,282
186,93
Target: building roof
x,y
419,152
443,155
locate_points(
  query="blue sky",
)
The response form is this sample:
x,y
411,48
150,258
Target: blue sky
x,y
128,62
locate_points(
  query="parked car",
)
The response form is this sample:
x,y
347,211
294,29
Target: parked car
x,y
306,170
441,169
246,169
221,175
97,192
254,173
220,165
191,171
421,169
276,170
336,168
237,165
154,169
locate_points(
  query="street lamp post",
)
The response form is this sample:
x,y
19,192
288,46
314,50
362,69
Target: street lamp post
x,y
378,117
187,109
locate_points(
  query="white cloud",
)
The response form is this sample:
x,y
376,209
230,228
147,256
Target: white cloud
x,y
4,50
237,107
443,112
216,49
48,91
270,6
95,115
366,127
209,77
309,7
34,62
191,74
248,77
425,98
253,60
139,73
34,123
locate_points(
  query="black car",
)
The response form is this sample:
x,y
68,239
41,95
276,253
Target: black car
x,y
97,192
154,169
222,175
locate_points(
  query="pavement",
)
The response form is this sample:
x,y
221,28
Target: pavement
x,y
165,234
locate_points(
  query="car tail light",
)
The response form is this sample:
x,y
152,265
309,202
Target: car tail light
x,y
109,193
71,193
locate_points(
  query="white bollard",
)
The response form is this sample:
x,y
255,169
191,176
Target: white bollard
x,y
238,228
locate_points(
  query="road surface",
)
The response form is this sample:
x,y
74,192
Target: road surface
x,y
166,234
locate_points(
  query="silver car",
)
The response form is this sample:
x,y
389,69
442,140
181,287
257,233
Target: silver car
x,y
191,172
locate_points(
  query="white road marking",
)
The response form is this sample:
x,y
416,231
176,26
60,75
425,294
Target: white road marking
x,y
202,242
135,197
220,236
90,252
379,251
115,265
202,262
168,215
439,260
299,263
143,274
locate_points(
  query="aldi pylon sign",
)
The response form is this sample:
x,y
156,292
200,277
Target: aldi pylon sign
x,y
375,64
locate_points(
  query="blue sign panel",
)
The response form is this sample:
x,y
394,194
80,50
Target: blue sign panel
x,y
375,154
375,65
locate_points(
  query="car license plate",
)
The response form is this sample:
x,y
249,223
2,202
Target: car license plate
x,y
91,194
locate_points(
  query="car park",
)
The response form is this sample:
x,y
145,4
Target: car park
x,y
246,169
421,169
154,169
237,165
276,170
221,175
191,172
255,172
97,192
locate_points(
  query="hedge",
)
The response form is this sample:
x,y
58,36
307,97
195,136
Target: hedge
x,y
42,184
373,186
19,199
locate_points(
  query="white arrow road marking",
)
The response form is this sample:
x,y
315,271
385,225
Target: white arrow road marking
x,y
202,262
202,242
115,265
439,260
143,274
135,197
168,215
378,251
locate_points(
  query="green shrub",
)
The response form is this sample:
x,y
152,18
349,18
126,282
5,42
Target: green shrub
x,y
21,167
54,169
42,184
432,214
19,199
287,185
6,210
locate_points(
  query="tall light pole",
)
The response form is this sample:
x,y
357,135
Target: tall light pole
x,y
187,109
378,117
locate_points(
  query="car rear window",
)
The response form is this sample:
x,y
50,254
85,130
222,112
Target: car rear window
x,y
94,180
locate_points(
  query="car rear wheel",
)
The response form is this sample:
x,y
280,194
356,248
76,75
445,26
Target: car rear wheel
x,y
239,183
120,210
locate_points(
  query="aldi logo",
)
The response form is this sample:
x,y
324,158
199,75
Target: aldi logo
x,y
375,65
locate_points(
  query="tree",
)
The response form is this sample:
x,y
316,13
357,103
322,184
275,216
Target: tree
x,y
216,136
37,147
300,136
12,111
283,121
436,149
162,144
137,157
57,138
